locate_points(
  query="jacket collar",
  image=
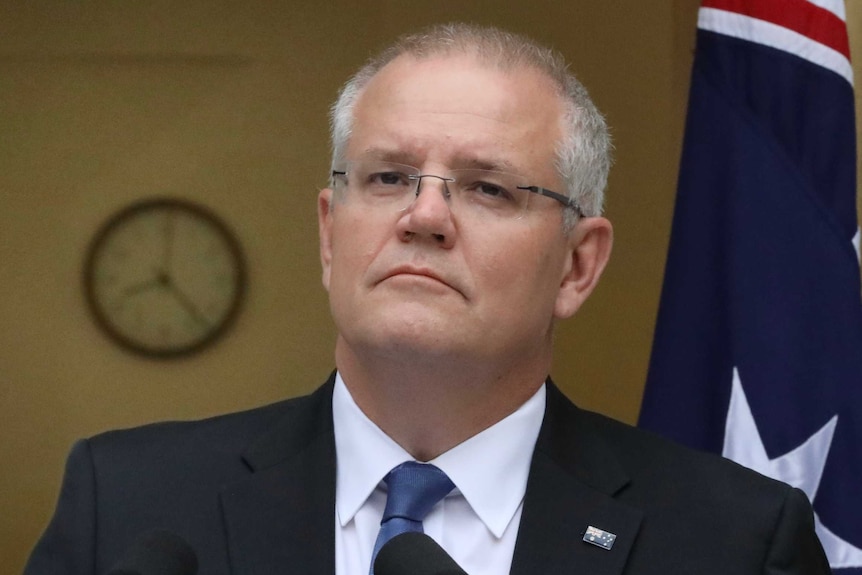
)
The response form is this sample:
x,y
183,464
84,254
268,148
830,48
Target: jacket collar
x,y
280,519
574,477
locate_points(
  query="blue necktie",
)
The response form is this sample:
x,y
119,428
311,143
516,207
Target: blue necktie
x,y
414,488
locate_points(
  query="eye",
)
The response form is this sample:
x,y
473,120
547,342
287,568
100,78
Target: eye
x,y
388,179
491,190
488,192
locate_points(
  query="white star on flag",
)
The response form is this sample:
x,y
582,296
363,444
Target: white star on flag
x,y
802,467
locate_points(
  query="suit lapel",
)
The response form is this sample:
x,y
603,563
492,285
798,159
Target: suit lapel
x,y
281,519
574,477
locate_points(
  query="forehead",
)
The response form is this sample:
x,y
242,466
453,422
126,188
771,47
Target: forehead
x,y
456,108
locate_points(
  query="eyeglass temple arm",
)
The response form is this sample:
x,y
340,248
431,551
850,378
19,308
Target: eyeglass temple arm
x,y
565,200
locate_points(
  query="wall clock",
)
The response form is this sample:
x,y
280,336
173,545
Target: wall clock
x,y
164,277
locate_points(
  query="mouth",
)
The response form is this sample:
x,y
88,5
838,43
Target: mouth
x,y
417,274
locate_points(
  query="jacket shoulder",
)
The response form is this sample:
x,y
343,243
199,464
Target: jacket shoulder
x,y
702,513
651,459
648,454
216,443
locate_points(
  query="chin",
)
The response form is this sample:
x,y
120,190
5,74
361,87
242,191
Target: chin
x,y
397,337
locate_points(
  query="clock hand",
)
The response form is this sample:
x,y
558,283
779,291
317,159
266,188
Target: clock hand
x,y
169,241
187,303
142,286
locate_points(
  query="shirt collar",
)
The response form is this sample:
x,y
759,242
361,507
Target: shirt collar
x,y
490,469
363,453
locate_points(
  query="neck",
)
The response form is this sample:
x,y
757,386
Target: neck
x,y
430,405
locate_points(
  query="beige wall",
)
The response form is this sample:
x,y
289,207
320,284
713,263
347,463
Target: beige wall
x,y
102,103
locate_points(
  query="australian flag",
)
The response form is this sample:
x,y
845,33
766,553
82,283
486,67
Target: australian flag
x,y
758,346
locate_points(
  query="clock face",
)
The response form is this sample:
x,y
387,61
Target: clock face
x,y
164,277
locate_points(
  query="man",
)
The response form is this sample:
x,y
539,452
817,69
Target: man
x,y
462,222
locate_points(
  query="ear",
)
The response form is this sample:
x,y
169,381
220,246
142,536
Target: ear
x,y
324,228
589,250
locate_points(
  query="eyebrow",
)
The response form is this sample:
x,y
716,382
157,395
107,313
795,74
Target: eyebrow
x,y
387,155
410,159
495,165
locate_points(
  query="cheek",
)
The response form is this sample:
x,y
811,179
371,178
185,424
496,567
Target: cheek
x,y
347,262
523,277
356,242
515,260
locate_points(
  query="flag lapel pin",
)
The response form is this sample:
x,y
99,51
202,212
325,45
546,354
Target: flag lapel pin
x,y
599,538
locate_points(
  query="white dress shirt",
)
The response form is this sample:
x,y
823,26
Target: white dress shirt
x,y
477,523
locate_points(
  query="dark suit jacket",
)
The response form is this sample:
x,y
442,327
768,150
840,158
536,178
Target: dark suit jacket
x,y
254,493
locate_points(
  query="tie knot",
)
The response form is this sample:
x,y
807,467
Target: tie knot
x,y
414,488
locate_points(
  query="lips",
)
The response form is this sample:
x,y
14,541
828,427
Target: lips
x,y
420,272
414,271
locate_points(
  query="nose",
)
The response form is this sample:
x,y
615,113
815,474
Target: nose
x,y
428,216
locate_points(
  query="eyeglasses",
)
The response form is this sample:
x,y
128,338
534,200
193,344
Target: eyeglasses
x,y
482,192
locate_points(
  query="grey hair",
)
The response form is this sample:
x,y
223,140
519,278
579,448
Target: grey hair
x,y
583,156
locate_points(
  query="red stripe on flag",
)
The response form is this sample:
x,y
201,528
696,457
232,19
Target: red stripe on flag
x,y
803,17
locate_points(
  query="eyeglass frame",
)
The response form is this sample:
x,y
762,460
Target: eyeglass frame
x,y
565,200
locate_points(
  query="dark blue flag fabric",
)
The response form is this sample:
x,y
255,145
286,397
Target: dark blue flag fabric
x,y
758,345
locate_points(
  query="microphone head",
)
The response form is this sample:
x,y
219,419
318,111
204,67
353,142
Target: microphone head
x,y
158,553
414,554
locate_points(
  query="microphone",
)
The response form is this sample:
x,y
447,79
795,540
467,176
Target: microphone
x,y
158,553
414,553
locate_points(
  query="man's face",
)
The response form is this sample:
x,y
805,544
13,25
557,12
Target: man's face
x,y
428,282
